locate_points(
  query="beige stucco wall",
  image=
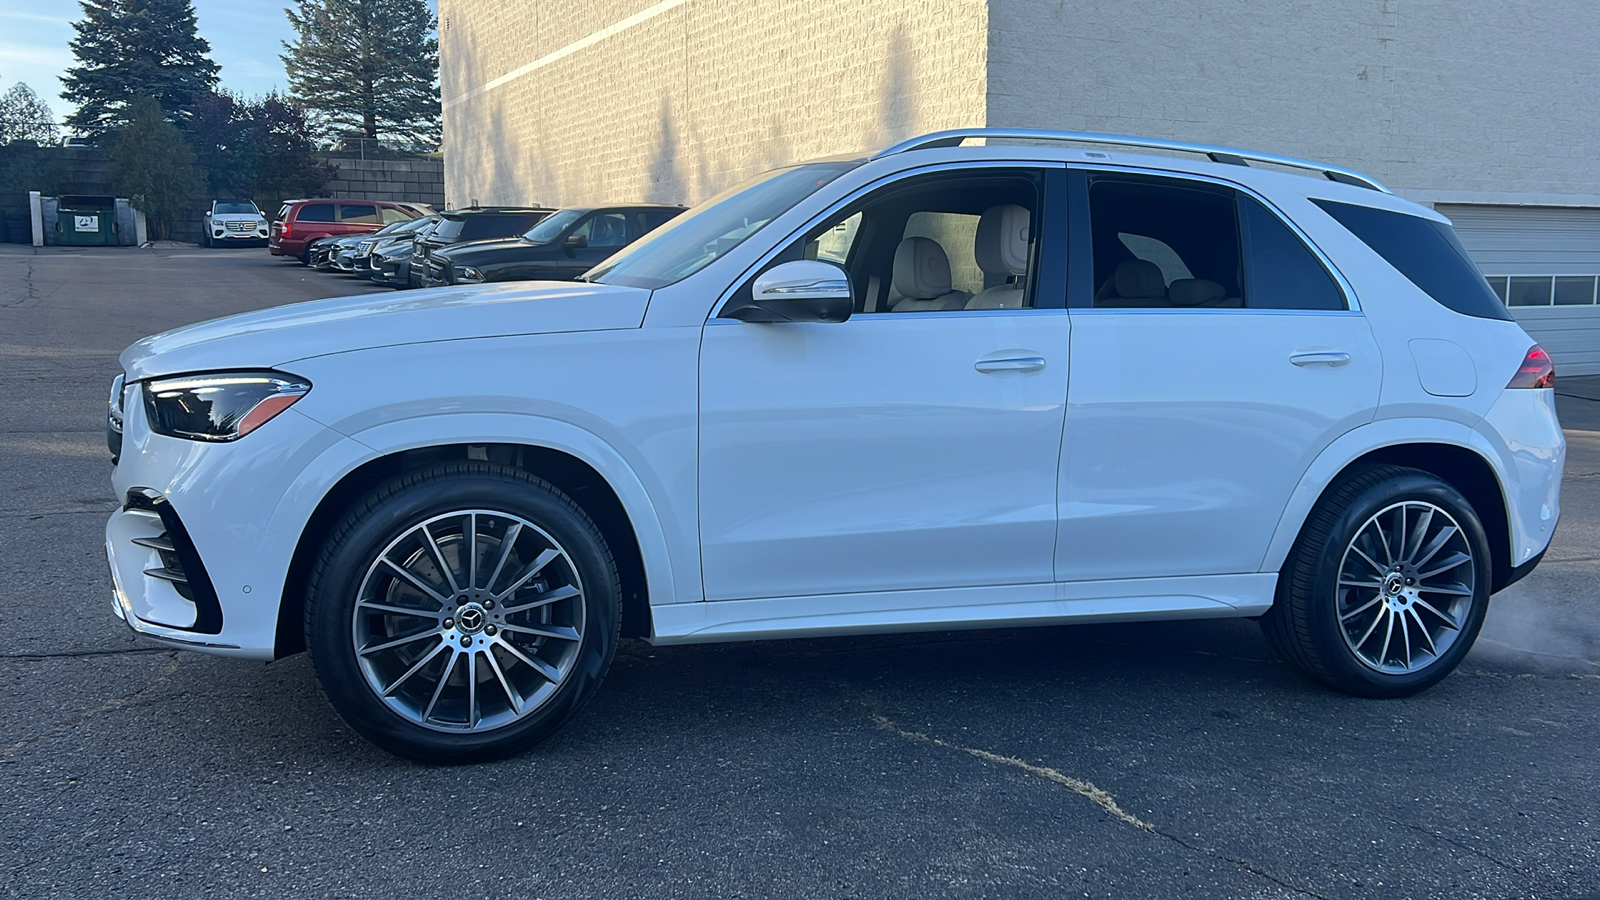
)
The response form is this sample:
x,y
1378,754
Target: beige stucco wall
x,y
673,101
1440,99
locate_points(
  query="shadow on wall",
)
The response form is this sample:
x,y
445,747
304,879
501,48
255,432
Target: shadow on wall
x,y
664,182
897,101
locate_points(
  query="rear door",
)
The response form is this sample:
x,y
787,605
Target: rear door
x,y
1214,355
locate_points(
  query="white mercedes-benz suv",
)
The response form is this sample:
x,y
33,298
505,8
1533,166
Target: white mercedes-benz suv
x,y
1036,380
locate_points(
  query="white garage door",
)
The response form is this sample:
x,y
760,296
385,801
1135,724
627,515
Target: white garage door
x,y
1543,262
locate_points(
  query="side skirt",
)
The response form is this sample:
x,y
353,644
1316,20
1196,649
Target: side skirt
x,y
1006,606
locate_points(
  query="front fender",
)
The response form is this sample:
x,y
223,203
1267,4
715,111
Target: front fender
x,y
553,434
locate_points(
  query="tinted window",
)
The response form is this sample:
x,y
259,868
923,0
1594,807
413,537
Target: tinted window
x,y
315,212
655,218
1164,244
1426,252
1282,273
493,225
358,213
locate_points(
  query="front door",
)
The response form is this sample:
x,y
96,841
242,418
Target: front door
x,y
915,445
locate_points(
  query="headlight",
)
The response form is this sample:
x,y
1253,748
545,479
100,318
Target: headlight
x,y
220,407
468,275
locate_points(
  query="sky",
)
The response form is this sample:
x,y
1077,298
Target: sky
x,y
246,38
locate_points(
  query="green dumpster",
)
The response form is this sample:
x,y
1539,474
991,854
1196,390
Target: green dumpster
x,y
86,221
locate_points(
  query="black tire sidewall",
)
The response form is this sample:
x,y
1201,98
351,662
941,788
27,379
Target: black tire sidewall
x,y
1348,671
331,602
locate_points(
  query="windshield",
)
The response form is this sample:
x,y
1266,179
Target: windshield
x,y
235,206
549,229
695,239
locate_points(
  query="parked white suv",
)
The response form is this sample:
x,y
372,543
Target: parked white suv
x,y
230,221
946,386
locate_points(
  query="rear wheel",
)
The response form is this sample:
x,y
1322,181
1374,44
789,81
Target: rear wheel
x,y
1387,587
462,613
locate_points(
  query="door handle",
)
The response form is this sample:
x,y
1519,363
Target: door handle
x,y
1331,358
1009,364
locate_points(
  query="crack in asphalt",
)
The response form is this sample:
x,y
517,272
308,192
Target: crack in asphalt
x,y
107,706
1102,799
1097,795
1454,843
84,654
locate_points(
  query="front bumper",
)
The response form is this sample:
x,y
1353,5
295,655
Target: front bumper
x,y
200,549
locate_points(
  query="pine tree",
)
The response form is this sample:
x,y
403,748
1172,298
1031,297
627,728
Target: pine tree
x,y
152,165
136,48
25,117
367,66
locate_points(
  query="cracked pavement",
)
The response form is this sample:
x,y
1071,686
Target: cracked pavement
x,y
974,764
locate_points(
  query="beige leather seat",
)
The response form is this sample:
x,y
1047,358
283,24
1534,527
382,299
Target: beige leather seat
x,y
1136,284
1001,248
1193,292
922,277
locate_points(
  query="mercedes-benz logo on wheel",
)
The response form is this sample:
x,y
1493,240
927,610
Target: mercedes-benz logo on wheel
x,y
471,618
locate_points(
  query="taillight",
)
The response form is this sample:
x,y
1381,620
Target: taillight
x,y
1537,370
283,230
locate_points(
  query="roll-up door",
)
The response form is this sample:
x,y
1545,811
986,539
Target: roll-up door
x,y
1544,262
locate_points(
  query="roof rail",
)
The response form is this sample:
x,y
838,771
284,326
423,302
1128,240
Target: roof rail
x,y
1228,155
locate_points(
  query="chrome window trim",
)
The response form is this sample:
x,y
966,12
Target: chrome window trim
x,y
1352,304
876,184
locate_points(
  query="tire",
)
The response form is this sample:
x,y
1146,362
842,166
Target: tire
x,y
1374,615
537,651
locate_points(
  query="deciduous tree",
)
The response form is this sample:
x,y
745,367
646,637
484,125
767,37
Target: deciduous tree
x,y
367,66
136,48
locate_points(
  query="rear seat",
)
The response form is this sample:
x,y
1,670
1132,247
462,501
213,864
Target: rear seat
x,y
1136,284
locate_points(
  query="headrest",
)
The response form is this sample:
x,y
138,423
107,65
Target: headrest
x,y
921,270
1139,278
1195,292
1002,242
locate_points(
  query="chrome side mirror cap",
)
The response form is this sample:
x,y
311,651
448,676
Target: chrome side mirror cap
x,y
803,290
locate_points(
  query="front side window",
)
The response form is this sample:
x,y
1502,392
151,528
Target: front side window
x,y
603,230
1165,243
699,237
552,226
956,240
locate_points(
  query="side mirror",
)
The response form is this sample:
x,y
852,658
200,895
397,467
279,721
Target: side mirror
x,y
577,241
803,290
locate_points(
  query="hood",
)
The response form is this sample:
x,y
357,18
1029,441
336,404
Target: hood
x,y
270,338
235,217
472,251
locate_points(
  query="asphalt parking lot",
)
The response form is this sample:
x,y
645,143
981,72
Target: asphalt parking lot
x,y
1155,760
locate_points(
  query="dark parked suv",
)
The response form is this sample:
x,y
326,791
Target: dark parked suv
x,y
559,248
474,224
302,221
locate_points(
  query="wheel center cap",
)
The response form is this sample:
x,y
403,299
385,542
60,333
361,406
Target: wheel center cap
x,y
471,618
1394,583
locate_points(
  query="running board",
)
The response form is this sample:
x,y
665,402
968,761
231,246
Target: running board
x,y
1007,606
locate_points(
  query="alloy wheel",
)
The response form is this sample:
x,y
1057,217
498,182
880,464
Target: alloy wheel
x,y
469,621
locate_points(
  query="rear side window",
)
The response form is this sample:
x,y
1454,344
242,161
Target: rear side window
x,y
358,213
393,214
1424,251
493,225
315,212
447,230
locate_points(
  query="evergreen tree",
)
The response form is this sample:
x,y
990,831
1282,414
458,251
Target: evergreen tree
x,y
256,149
367,66
152,165
25,117
136,48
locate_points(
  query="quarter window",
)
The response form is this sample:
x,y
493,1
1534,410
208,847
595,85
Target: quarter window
x,y
358,213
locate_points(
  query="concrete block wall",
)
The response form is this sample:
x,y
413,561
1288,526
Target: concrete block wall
x,y
1440,100
415,180
675,100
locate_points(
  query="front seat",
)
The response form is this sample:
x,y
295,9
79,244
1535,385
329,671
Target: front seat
x,y
1001,248
922,277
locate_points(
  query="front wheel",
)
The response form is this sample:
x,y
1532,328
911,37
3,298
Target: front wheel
x,y
462,613
1387,586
